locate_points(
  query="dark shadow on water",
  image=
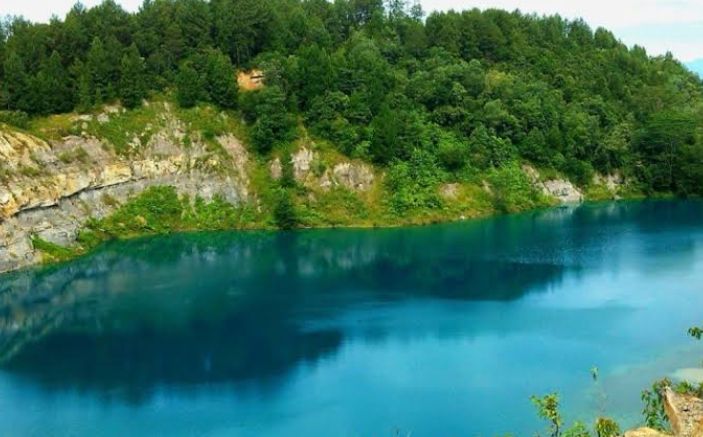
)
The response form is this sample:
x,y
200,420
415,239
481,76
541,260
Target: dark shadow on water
x,y
187,310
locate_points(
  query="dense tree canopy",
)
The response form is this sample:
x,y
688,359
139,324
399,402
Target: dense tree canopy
x,y
472,89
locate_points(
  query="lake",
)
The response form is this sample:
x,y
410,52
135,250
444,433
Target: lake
x,y
443,330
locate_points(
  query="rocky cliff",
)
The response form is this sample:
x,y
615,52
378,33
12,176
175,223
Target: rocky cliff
x,y
49,189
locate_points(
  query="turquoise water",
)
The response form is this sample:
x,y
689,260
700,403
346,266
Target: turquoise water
x,y
437,331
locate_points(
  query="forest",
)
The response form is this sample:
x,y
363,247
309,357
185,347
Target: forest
x,y
453,92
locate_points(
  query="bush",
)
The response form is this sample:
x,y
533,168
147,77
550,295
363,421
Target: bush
x,y
160,210
453,154
18,119
512,190
156,210
414,184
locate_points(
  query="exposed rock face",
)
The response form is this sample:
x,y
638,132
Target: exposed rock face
x,y
51,190
302,163
560,189
645,432
685,414
276,169
350,175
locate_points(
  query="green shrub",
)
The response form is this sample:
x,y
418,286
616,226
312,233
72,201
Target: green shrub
x,y
53,252
160,210
18,119
414,184
606,427
512,190
155,210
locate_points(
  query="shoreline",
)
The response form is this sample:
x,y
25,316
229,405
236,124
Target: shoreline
x,y
81,253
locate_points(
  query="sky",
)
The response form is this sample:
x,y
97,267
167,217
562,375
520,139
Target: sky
x,y
657,25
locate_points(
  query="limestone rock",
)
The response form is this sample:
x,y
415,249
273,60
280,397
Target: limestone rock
x,y
612,182
354,176
276,169
563,190
645,432
560,189
685,413
47,194
302,163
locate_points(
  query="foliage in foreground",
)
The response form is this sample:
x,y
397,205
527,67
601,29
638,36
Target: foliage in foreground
x,y
653,399
548,409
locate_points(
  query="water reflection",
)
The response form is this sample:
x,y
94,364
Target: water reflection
x,y
250,308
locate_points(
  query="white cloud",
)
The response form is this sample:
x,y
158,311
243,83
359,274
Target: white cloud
x,y
43,10
655,24
608,13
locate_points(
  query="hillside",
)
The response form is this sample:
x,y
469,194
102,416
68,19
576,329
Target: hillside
x,y
122,124
72,181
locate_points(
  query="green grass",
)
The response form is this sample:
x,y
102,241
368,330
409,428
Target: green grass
x,y
122,129
53,252
160,210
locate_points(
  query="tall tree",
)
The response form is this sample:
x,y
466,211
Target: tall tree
x,y
132,78
190,88
83,89
58,96
98,64
222,87
16,82
242,27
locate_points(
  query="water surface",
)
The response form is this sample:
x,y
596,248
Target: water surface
x,y
437,331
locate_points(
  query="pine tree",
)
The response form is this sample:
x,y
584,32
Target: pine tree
x,y
59,97
84,86
132,78
221,81
284,211
189,86
98,64
16,82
